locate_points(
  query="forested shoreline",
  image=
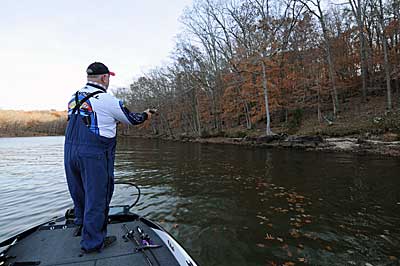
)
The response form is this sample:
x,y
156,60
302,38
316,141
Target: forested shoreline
x,y
275,67
251,69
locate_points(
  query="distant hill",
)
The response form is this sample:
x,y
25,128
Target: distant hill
x,y
32,123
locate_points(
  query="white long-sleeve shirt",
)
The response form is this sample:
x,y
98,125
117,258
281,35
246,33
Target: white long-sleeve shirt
x,y
102,112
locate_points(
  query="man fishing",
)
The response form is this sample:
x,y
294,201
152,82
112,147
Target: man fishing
x,y
89,153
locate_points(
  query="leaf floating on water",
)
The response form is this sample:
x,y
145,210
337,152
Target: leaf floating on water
x,y
288,263
300,246
301,259
175,226
270,225
279,239
392,258
298,225
295,233
387,239
262,217
281,210
260,245
308,235
328,248
269,237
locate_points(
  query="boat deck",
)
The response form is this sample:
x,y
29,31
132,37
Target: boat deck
x,y
54,244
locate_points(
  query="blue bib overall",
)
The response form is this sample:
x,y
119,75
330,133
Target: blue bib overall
x,y
89,168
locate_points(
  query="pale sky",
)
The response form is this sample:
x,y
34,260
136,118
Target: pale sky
x,y
46,45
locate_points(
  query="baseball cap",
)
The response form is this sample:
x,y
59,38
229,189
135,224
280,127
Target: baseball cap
x,y
98,68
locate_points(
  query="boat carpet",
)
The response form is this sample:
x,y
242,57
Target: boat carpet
x,y
57,246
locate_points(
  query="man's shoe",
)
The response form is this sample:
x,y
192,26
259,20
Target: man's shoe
x,y
108,241
78,231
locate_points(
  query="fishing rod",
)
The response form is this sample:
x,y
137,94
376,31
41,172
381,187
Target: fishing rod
x,y
130,235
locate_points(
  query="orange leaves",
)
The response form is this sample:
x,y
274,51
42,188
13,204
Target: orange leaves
x,y
301,259
269,237
289,263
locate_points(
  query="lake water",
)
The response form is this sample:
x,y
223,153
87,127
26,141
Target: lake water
x,y
228,205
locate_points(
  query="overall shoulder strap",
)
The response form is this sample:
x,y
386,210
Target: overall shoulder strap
x,y
87,97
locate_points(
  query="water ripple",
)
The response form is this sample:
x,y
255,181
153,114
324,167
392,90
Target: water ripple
x,y
227,205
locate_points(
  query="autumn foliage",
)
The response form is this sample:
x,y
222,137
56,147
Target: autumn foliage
x,y
250,62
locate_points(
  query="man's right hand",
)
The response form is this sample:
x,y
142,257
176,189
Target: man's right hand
x,y
150,112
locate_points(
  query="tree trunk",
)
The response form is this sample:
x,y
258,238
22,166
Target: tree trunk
x,y
247,114
359,14
265,88
168,126
319,101
335,98
331,69
197,115
386,60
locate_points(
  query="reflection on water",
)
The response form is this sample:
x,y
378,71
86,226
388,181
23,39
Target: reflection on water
x,y
32,183
228,205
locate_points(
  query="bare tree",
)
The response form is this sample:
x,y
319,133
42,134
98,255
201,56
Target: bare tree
x,y
359,8
204,29
314,7
263,8
385,55
234,22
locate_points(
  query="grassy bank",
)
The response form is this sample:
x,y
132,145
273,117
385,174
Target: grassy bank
x,y
31,123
